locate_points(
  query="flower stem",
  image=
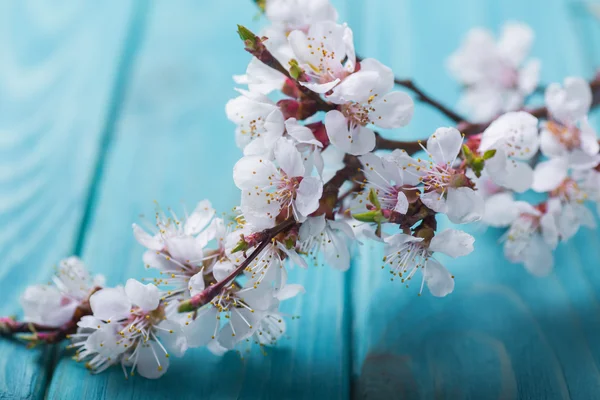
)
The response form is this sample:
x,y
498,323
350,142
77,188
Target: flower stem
x,y
209,293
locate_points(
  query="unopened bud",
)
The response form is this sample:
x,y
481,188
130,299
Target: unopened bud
x,y
249,38
373,199
295,71
242,245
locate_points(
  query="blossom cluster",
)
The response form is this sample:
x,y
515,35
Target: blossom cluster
x,y
316,178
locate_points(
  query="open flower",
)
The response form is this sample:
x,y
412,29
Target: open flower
x,y
54,305
406,254
514,137
177,248
325,53
532,237
572,212
322,237
494,73
268,189
248,310
567,139
365,99
260,122
290,15
446,188
261,78
129,327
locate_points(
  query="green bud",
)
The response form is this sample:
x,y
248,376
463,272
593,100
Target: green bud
x,y
373,199
295,70
369,216
477,166
248,37
468,153
185,306
290,243
240,246
489,154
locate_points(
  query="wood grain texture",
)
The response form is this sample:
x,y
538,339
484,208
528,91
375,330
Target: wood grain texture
x,y
174,144
502,333
58,61
131,97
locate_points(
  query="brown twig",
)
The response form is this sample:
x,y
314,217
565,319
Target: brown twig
x,y
204,297
425,98
46,334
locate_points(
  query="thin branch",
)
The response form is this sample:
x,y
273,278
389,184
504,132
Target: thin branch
x,y
540,112
204,297
425,98
36,333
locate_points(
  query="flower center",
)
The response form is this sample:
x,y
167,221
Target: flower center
x,y
358,114
570,137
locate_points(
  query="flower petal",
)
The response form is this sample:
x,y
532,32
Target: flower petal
x,y
393,110
252,171
538,257
200,218
110,304
147,297
152,362
464,205
289,158
549,174
438,279
444,145
172,337
453,243
201,330
308,195
357,141
515,42
196,284
143,238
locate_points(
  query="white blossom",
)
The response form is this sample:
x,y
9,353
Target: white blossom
x,y
260,122
269,189
260,78
532,237
406,254
514,137
177,248
385,179
129,327
290,15
319,236
365,99
446,189
495,73
325,53
54,305
567,139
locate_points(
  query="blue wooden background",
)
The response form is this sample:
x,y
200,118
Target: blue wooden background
x,y
108,106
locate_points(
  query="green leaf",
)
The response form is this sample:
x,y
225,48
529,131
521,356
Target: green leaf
x,y
489,154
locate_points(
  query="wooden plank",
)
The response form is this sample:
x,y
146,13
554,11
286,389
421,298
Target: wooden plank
x,y
502,333
174,143
56,79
